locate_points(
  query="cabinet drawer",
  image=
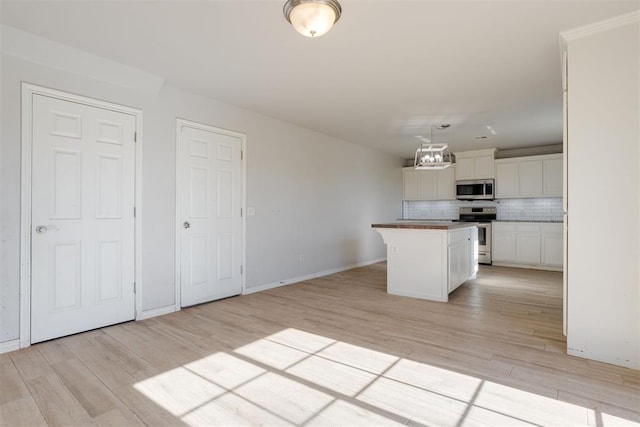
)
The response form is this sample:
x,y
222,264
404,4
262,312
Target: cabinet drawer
x,y
504,226
551,228
528,228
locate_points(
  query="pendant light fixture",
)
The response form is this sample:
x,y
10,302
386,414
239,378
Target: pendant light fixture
x,y
431,155
312,18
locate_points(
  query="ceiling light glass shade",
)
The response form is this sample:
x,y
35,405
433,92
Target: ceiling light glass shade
x,y
312,18
432,156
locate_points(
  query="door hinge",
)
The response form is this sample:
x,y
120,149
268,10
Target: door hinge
x,y
241,269
134,211
135,136
241,212
135,290
241,155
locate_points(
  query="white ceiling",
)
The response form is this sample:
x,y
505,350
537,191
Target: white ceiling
x,y
380,77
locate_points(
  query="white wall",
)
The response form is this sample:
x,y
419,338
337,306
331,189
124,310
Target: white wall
x,y
603,266
313,195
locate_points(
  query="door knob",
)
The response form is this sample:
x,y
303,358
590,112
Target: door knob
x,y
186,224
41,229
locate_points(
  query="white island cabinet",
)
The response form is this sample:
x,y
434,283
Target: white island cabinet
x,y
429,260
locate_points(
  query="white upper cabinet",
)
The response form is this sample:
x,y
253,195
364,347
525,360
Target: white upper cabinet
x,y
530,178
477,164
533,176
428,185
506,179
410,184
446,185
552,173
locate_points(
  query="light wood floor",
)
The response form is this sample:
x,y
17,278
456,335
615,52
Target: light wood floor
x,y
331,351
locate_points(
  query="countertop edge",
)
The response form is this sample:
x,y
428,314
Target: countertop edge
x,y
425,226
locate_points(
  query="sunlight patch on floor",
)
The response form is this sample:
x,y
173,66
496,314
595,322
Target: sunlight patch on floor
x,y
294,377
179,390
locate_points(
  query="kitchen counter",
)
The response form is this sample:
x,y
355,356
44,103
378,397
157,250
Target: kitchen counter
x,y
429,259
528,220
426,225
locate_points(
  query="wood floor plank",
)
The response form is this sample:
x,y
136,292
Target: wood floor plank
x,y
88,390
56,403
145,409
99,362
118,417
582,385
22,412
333,350
13,387
54,351
30,363
596,406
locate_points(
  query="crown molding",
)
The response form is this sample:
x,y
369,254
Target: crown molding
x,y
598,27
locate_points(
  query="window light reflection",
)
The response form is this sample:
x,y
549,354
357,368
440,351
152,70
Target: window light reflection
x,y
294,377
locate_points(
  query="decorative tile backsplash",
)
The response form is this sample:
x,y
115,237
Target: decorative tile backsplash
x,y
544,209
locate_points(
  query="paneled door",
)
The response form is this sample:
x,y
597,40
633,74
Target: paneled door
x,y
82,236
209,213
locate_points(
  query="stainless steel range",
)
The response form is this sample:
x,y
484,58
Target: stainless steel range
x,y
483,216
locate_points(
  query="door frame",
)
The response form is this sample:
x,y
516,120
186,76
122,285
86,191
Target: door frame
x,y
180,123
28,91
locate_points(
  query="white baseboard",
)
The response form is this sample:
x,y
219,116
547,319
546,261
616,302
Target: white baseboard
x,y
7,346
148,314
299,279
531,267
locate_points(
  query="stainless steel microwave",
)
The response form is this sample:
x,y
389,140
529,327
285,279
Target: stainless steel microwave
x,y
478,189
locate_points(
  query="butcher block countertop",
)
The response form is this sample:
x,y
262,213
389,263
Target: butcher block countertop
x,y
426,225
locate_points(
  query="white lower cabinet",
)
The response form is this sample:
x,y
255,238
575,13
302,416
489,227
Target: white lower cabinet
x,y
503,245
551,241
527,244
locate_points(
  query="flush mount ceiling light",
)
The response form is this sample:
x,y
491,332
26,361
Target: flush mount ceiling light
x,y
312,18
431,155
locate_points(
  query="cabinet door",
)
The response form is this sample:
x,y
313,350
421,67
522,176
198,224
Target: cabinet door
x,y
483,167
465,168
503,246
552,177
506,179
454,266
552,250
465,261
427,185
528,248
410,184
446,188
530,178
459,264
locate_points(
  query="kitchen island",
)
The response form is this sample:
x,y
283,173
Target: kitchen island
x,y
429,259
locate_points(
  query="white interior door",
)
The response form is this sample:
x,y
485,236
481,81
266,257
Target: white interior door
x,y
82,235
209,214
